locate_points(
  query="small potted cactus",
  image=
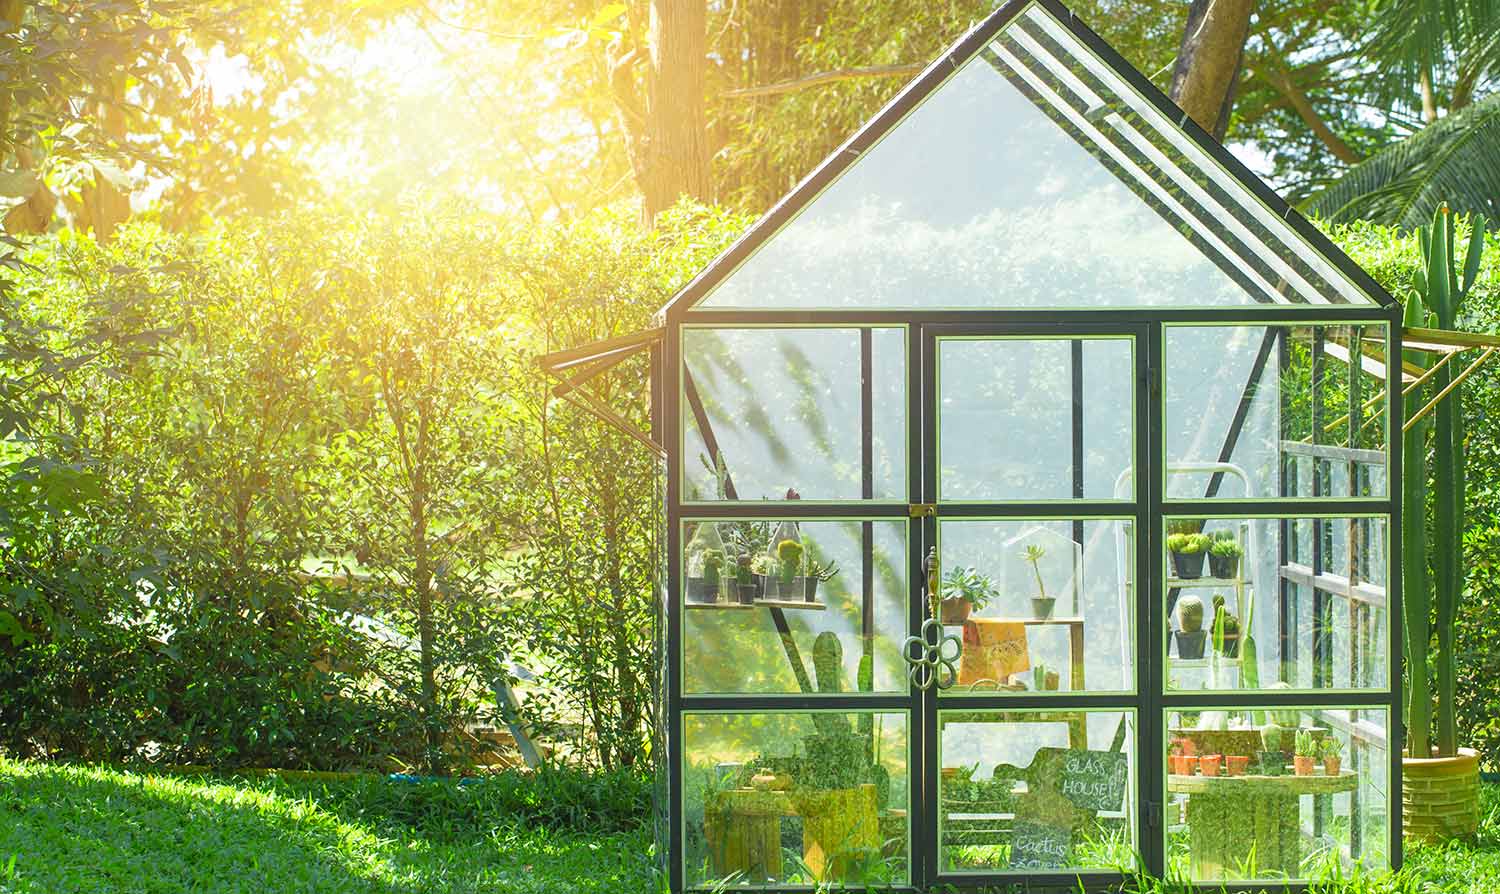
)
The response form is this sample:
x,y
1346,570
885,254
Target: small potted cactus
x,y
1306,751
1188,552
817,573
1224,556
1333,755
785,582
744,580
1190,635
1044,679
1272,758
1226,630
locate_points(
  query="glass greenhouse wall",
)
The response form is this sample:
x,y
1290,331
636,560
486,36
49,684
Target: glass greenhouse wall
x,y
1026,507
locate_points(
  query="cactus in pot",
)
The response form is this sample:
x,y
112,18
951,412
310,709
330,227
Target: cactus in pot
x,y
1190,635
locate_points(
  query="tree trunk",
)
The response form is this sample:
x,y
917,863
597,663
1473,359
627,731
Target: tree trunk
x,y
666,136
421,579
1208,61
1301,103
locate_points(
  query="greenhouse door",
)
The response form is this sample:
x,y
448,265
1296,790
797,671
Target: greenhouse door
x,y
1030,501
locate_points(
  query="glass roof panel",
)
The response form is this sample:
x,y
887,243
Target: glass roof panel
x,y
1034,177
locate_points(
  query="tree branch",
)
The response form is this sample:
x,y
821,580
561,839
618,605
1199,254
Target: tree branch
x,y
826,77
1282,82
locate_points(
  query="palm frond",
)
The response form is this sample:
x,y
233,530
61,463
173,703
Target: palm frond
x,y
1455,160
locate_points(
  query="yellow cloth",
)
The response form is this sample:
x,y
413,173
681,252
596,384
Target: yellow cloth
x,y
993,650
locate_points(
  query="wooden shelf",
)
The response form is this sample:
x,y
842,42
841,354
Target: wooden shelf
x,y
1184,583
1290,784
785,605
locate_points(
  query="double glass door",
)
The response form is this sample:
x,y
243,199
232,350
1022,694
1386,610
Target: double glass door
x,y
1030,512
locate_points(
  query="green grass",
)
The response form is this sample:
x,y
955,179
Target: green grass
x,y
84,829
80,829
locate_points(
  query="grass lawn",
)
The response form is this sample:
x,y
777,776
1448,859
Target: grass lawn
x,y
80,829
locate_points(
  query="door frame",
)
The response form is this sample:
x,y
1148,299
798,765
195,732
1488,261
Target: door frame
x,y
1142,507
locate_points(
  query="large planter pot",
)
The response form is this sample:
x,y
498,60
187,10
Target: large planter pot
x,y
1187,566
956,609
1223,567
1440,796
1190,645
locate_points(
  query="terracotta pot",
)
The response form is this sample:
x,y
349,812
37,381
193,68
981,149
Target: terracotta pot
x,y
956,609
1302,764
1237,764
1209,764
1331,765
1181,764
1440,796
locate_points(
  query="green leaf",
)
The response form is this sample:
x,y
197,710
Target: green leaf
x,y
18,184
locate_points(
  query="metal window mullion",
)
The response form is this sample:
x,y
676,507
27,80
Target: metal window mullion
x,y
1151,622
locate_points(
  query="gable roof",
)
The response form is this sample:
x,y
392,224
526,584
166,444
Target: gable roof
x,y
1138,139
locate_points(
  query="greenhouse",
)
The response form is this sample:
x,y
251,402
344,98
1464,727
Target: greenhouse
x,y
1027,505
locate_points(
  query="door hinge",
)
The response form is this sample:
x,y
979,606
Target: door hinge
x,y
1153,814
921,510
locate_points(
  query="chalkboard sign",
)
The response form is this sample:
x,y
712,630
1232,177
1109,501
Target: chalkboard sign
x,y
1036,845
1091,780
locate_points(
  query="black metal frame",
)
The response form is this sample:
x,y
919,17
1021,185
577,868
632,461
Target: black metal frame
x,y
1151,701
1149,508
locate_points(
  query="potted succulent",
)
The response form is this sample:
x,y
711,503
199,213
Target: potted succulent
x,y
1226,630
1272,759
964,591
744,580
1306,751
1208,764
1188,551
1041,604
1190,635
719,575
1237,764
1224,556
817,573
705,564
1333,755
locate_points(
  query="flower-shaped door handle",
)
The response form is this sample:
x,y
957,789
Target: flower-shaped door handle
x,y
932,662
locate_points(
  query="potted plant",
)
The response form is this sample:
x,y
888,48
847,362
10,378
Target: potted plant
x,y
1272,758
1226,630
1208,764
1440,780
763,568
1333,755
1041,604
1190,635
1187,552
705,564
964,591
744,580
788,571
718,576
1237,764
1043,679
1224,556
1178,763
1306,751
817,573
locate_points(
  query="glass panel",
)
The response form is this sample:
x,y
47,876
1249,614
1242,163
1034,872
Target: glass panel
x,y
1260,794
738,577
1251,392
1034,135
784,408
992,389
795,799
1270,603
1036,792
1040,605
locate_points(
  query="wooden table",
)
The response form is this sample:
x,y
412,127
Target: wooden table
x,y
1234,819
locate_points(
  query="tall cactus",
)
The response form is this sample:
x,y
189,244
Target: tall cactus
x,y
1440,291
